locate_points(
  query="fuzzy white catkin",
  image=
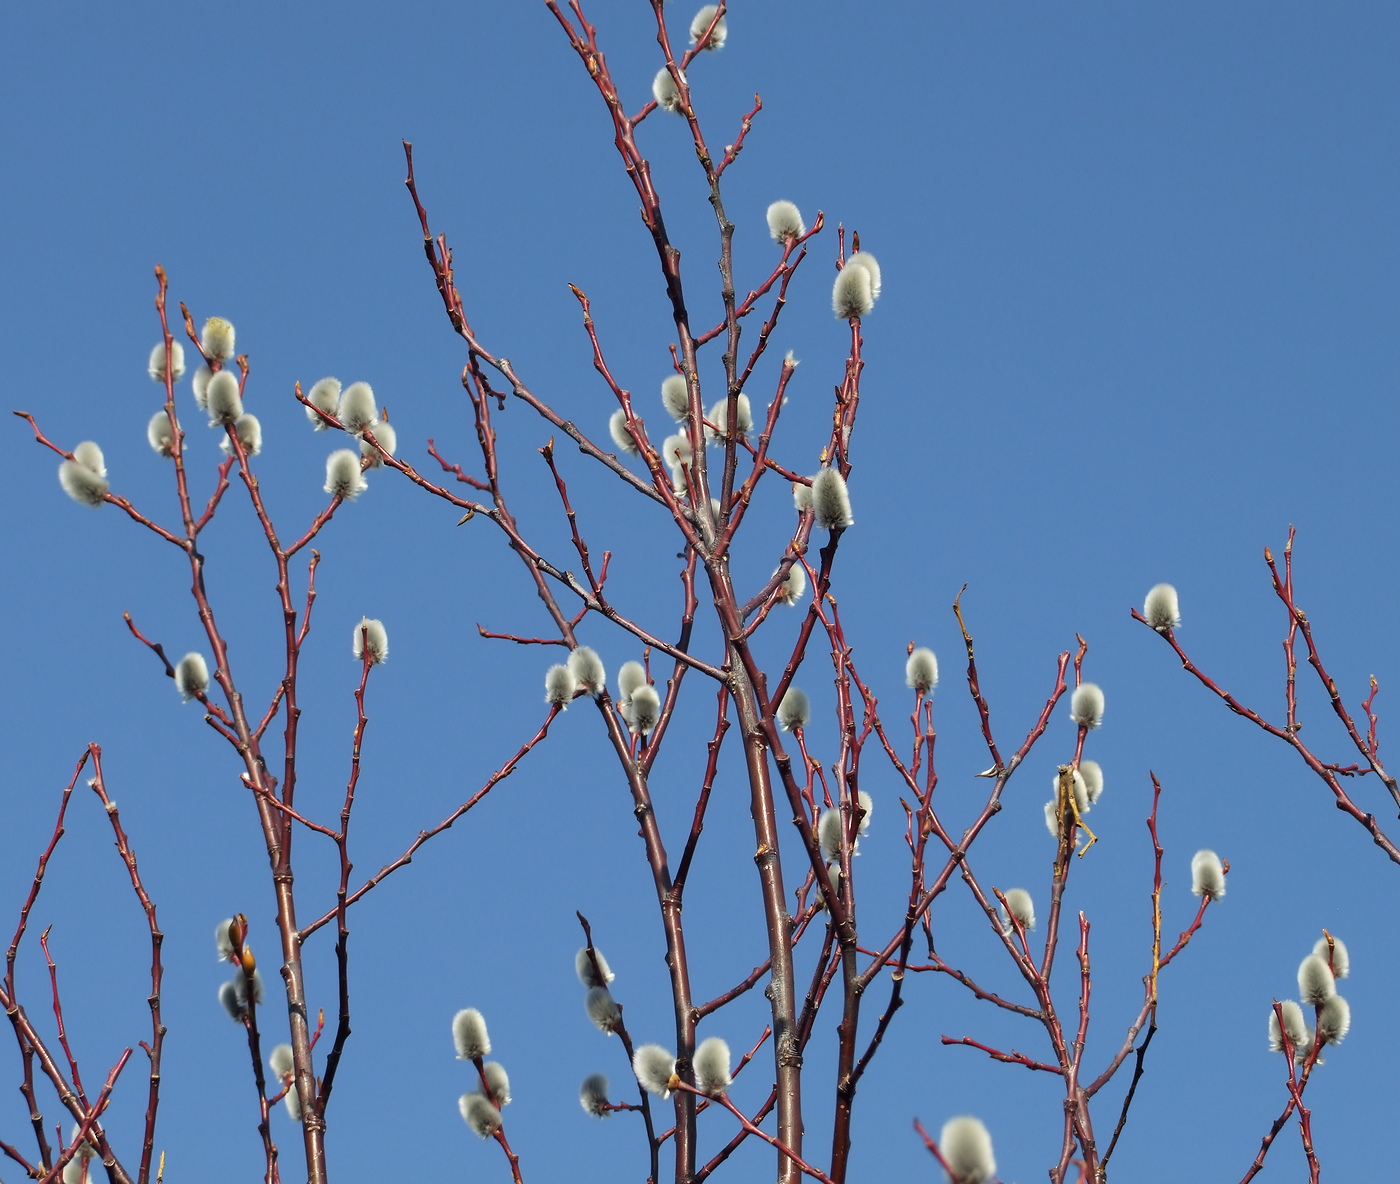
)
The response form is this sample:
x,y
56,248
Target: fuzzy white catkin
x,y
602,1009
785,222
323,396
155,365
217,338
593,1095
497,1083
81,1167
665,91
654,1067
241,984
830,828
630,679
78,1171
719,416
478,1113
674,397
921,671
851,295
792,588
293,1103
249,432
343,476
240,988
1086,705
1052,818
588,669
1334,1021
621,434
867,805
386,437
831,501
280,1060
677,449
199,384
702,22
89,1149
89,455
1020,905
159,434
1207,875
1337,957
1161,608
967,1150
795,709
222,400
646,711
357,408
1315,982
583,967
866,260
559,685
191,676
801,496
712,1066
223,942
1293,1024
81,483
372,634
1081,790
1092,774
469,1034
229,1000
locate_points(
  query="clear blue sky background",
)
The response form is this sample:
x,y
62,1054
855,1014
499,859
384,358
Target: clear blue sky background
x,y
1138,316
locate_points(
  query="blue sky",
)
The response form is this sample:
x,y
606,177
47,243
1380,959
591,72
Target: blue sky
x,y
1138,317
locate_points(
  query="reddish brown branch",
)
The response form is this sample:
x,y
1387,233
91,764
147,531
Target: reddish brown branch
x,y
1290,733
1011,1058
424,835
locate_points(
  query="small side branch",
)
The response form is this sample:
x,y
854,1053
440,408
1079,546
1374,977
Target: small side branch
x,y
1010,1058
